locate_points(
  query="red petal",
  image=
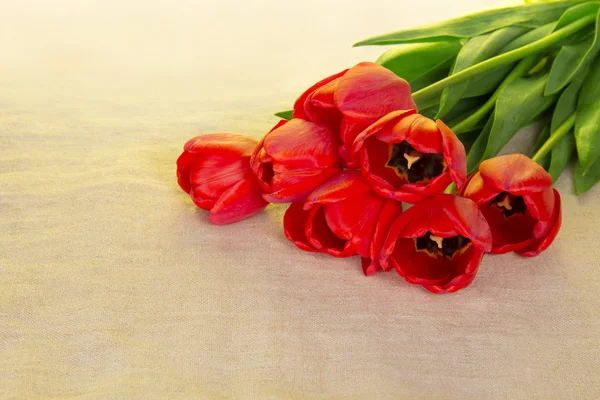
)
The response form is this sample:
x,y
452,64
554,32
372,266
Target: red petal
x,y
508,234
294,223
321,237
185,164
515,173
414,192
369,266
343,217
303,144
540,204
222,144
421,133
417,266
454,155
476,190
437,275
295,187
368,91
240,201
349,130
345,184
299,104
382,127
211,176
373,160
539,245
371,206
463,280
390,211
202,202
467,220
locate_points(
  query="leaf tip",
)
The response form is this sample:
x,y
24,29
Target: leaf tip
x,y
361,43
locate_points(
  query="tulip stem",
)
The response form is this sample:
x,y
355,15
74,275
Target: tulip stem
x,y
554,138
508,57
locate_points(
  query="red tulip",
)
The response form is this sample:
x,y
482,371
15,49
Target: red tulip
x,y
438,243
352,100
294,158
515,195
343,217
408,157
214,169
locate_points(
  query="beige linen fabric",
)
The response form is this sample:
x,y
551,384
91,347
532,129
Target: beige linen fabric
x,y
114,286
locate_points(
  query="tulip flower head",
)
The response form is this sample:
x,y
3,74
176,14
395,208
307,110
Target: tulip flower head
x,y
515,195
352,100
438,243
214,169
294,158
408,157
342,217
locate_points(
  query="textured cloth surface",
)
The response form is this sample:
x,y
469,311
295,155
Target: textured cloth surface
x,y
113,285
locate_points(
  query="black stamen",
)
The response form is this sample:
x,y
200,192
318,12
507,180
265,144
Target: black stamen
x,y
422,171
516,203
449,245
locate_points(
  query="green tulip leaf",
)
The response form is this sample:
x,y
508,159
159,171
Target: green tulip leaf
x,y
432,76
478,148
565,107
518,105
587,122
285,114
541,138
584,182
576,12
464,108
412,62
489,81
574,57
477,49
529,15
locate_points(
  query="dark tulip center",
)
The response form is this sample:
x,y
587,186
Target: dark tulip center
x,y
436,246
509,204
415,166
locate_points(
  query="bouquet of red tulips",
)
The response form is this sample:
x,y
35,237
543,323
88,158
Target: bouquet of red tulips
x,y
370,168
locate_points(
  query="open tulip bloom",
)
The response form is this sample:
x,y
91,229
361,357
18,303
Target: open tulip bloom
x,y
342,217
355,149
515,196
438,243
408,157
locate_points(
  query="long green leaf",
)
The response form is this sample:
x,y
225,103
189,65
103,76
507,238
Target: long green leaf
x,y
587,123
532,15
584,182
489,81
412,62
478,148
477,49
464,108
574,57
520,102
575,12
436,74
541,138
565,107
